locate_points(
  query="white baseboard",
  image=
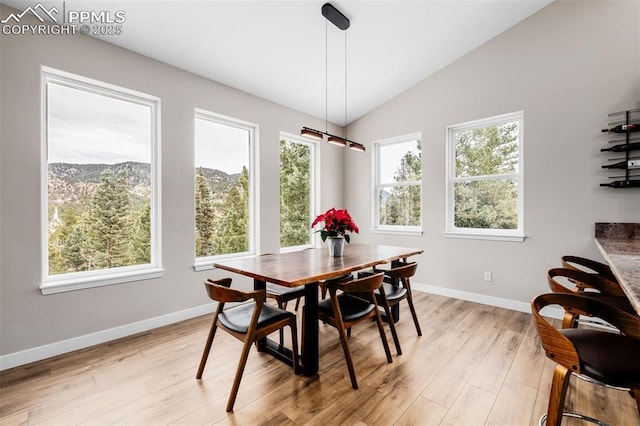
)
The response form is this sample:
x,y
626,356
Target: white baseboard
x,y
46,351
499,302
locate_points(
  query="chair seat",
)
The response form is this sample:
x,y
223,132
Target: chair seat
x,y
352,308
238,318
281,290
607,357
393,292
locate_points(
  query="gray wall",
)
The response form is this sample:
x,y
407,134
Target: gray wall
x,y
566,67
27,318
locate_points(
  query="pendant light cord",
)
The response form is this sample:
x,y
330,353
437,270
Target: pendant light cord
x,y
346,136
326,75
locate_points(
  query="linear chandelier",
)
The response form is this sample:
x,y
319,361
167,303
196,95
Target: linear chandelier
x,y
342,22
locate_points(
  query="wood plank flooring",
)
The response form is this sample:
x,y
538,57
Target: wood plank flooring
x,y
474,365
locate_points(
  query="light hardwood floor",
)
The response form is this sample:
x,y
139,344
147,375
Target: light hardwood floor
x,y
474,365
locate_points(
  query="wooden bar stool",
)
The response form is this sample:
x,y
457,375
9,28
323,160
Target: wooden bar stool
x,y
606,358
588,285
248,322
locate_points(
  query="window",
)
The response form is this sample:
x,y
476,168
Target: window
x,y
297,184
398,184
224,191
101,183
484,178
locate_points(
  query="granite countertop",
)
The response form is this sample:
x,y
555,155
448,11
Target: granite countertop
x,y
619,243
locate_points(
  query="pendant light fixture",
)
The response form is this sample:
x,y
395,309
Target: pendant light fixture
x,y
342,22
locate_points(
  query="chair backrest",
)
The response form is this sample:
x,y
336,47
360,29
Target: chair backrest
x,y
367,284
603,285
404,270
592,266
556,346
220,291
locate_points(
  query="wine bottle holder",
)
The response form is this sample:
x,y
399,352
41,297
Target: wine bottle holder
x,y
624,161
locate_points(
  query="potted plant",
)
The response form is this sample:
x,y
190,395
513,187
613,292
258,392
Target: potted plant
x,y
336,225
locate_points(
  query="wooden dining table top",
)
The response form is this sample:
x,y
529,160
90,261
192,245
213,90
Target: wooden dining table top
x,y
302,267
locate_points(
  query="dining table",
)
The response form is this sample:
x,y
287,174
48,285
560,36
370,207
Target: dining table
x,y
307,268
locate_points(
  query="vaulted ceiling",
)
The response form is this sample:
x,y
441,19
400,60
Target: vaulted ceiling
x,y
276,49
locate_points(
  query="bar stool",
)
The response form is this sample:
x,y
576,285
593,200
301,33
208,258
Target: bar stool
x,y
589,266
606,358
592,286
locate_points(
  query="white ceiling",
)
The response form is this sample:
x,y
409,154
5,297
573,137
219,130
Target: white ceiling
x,y
276,49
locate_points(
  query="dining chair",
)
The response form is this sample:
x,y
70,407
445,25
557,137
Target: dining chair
x,y
606,358
588,285
395,289
248,322
355,304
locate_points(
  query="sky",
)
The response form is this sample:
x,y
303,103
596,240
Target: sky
x,y
393,153
220,146
89,128
86,128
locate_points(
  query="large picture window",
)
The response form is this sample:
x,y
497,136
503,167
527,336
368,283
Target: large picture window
x,y
484,178
398,184
297,184
223,187
102,183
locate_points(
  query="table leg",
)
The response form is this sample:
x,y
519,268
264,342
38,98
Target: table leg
x,y
310,341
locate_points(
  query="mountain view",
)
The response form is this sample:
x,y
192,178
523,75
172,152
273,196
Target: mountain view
x,y
100,214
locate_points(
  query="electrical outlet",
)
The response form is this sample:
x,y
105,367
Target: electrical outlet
x,y
488,276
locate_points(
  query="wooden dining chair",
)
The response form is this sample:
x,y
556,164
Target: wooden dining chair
x,y
356,303
390,295
588,285
604,357
248,322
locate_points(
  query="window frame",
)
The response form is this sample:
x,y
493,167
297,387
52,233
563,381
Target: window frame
x,y
206,262
314,185
451,231
377,185
51,284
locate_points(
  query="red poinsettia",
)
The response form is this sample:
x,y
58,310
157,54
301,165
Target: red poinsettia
x,y
336,223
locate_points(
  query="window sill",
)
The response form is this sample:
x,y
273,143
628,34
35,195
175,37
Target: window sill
x,y
80,283
391,231
205,264
482,236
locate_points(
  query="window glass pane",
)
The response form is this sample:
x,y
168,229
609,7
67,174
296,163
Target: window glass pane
x,y
222,158
487,150
295,193
400,162
399,205
486,204
99,151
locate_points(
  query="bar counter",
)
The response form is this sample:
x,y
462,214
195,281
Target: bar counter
x,y
619,244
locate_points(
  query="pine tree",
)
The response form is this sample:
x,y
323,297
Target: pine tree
x,y
141,243
205,218
232,232
295,191
404,205
489,203
109,221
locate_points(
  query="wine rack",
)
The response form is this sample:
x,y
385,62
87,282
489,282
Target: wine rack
x,y
624,147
